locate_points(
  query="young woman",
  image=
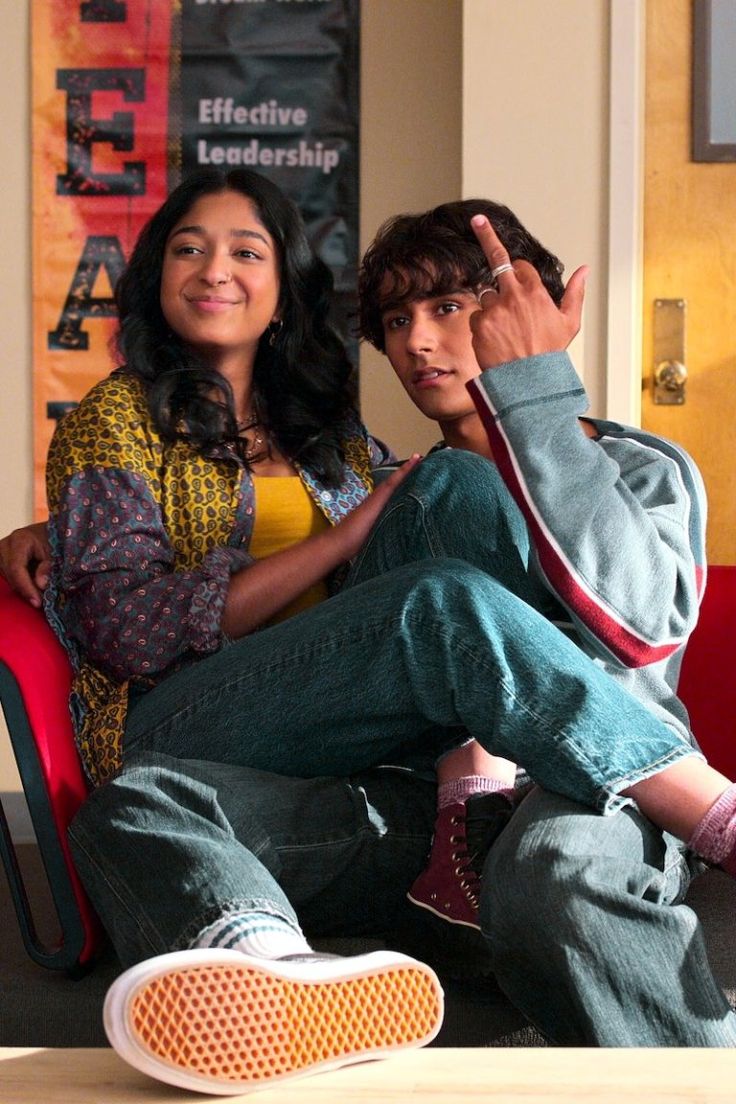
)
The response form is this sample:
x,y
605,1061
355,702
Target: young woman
x,y
225,440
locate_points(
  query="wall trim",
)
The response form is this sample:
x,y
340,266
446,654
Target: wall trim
x,y
625,213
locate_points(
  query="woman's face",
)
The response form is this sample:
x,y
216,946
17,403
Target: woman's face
x,y
220,281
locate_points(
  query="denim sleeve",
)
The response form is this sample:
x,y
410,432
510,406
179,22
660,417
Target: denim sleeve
x,y
617,521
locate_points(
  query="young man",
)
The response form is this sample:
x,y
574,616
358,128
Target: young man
x,y
422,282
574,906
461,300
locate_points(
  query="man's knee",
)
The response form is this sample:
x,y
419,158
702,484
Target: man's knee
x,y
453,466
452,584
557,864
458,478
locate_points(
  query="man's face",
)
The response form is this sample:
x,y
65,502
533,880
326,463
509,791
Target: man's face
x,y
429,345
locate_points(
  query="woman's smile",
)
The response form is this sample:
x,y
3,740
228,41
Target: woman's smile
x,y
211,303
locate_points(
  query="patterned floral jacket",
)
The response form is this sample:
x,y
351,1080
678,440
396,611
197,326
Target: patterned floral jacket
x,y
145,535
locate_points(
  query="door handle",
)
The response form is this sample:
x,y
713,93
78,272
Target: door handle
x,y
670,371
670,376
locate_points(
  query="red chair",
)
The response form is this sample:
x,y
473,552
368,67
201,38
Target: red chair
x,y
35,679
708,683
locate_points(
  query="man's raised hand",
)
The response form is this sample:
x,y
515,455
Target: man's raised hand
x,y
517,317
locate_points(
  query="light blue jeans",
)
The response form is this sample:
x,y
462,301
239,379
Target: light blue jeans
x,y
582,913
588,934
414,654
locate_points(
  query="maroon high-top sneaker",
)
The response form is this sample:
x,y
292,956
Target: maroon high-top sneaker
x,y
449,885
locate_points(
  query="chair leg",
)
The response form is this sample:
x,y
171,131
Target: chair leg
x,y
65,955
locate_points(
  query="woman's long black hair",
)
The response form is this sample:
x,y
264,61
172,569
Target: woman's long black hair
x,y
302,380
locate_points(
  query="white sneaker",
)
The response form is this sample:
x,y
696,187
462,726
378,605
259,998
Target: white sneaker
x,y
224,1022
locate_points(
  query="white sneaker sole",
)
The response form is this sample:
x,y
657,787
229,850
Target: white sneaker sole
x,y
221,1022
443,915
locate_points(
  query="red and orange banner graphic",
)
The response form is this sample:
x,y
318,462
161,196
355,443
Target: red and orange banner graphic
x,y
100,102
128,96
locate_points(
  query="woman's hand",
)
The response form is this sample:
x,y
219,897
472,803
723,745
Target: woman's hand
x,y
520,319
356,527
25,561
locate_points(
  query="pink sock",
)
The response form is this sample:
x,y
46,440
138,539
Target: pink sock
x,y
460,789
714,838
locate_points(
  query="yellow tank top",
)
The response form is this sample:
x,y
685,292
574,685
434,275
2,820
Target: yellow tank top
x,y
285,513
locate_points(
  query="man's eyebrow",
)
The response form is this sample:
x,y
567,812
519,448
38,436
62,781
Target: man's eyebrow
x,y
398,304
459,289
235,233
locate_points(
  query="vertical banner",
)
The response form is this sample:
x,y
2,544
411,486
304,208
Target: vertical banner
x,y
100,73
128,96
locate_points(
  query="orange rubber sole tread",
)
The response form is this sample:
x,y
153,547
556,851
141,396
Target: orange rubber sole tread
x,y
241,1024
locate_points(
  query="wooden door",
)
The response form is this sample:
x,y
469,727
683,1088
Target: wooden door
x,y
690,254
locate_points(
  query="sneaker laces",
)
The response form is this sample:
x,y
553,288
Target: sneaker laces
x,y
465,870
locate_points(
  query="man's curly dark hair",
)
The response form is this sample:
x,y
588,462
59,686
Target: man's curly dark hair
x,y
435,253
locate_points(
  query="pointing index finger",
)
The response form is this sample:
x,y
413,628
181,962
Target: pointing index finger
x,y
496,253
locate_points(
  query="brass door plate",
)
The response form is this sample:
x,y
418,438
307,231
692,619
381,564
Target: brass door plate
x,y
669,371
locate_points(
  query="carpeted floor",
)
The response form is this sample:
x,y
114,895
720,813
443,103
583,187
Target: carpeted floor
x,y
40,1007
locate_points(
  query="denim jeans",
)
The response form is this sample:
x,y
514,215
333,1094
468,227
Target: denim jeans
x,y
169,845
588,934
411,656
582,912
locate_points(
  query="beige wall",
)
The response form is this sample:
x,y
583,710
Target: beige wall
x,y
530,130
515,108
15,295
411,159
535,136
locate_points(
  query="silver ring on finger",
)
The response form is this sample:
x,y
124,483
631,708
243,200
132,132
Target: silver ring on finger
x,y
496,272
484,291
